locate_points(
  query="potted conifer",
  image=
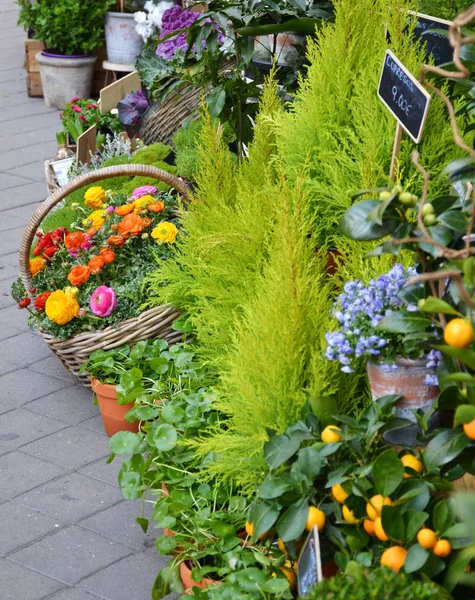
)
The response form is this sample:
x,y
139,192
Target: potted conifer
x,y
71,31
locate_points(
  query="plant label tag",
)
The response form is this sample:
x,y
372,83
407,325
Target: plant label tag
x,y
117,91
404,96
86,145
430,30
309,566
61,168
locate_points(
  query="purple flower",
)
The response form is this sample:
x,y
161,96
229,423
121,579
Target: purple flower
x,y
131,109
431,380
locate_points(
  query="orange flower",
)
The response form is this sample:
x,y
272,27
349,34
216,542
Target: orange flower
x,y
142,202
107,254
125,209
146,222
130,225
91,231
74,240
79,275
115,241
96,263
36,265
156,207
114,227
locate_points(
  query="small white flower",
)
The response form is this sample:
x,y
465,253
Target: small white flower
x,y
149,6
145,30
140,17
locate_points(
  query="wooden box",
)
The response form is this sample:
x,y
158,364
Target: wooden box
x,y
33,80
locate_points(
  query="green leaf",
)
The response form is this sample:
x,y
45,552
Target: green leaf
x,y
443,203
216,100
436,305
309,462
414,521
273,487
263,516
411,294
298,24
419,502
159,365
454,219
279,449
388,472
277,586
131,484
440,234
165,545
172,413
403,322
356,225
292,523
393,523
416,558
143,522
168,580
124,442
464,414
442,449
443,516
163,437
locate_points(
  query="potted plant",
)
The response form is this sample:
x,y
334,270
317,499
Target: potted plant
x,y
71,31
123,42
396,361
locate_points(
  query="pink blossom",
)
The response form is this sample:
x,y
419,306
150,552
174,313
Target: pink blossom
x,y
103,301
110,209
76,108
73,253
92,106
144,190
75,99
82,118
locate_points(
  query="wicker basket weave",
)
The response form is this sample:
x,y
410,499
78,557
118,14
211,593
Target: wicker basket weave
x,y
152,323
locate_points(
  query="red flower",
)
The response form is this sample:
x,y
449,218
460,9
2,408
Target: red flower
x,y
24,302
41,301
44,242
75,99
60,234
92,106
76,108
82,118
50,252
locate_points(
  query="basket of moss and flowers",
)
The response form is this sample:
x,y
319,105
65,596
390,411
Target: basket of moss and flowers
x,y
82,282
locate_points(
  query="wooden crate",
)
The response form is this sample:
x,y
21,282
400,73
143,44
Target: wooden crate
x,y
33,81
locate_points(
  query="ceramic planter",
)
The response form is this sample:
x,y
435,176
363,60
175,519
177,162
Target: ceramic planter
x,y
112,413
189,583
405,378
65,77
122,41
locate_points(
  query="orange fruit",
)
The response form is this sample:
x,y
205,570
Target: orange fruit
x,y
394,558
369,527
281,546
339,493
331,434
469,429
427,538
379,531
290,574
249,527
315,517
375,506
348,515
458,333
442,548
409,460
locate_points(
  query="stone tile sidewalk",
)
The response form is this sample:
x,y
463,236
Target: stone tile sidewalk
x,y
65,531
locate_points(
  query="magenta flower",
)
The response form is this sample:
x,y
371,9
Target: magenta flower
x,y
144,190
87,244
76,108
103,301
92,106
110,209
75,99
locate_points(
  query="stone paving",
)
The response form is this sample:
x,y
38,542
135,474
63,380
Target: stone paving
x,y
65,531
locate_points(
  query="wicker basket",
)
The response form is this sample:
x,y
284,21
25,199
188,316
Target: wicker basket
x,y
152,323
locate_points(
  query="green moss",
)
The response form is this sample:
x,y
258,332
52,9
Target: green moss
x,y
151,154
135,182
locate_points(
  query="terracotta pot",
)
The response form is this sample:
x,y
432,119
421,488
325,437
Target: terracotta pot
x,y
334,257
405,378
112,413
189,583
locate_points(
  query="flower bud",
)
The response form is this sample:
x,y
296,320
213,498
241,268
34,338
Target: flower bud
x,y
145,236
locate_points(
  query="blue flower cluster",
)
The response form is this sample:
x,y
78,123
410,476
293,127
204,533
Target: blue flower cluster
x,y
358,310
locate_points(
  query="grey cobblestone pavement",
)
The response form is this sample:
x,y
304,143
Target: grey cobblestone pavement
x,y
65,531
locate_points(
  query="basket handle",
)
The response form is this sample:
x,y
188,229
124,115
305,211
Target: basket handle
x,y
76,184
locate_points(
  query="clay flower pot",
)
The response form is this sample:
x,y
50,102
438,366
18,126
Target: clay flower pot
x,y
189,583
112,413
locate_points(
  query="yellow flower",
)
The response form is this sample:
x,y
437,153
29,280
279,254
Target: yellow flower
x,y
95,197
74,291
36,265
143,202
61,307
96,219
165,232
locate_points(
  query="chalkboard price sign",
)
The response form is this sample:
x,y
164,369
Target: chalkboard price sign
x,y
404,96
428,30
309,566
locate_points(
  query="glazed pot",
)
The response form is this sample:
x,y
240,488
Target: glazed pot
x,y
404,378
65,77
123,43
189,583
112,413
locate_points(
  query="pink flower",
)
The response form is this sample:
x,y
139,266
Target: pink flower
x,y
92,106
75,99
103,301
87,244
110,209
76,108
73,253
144,190
82,118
